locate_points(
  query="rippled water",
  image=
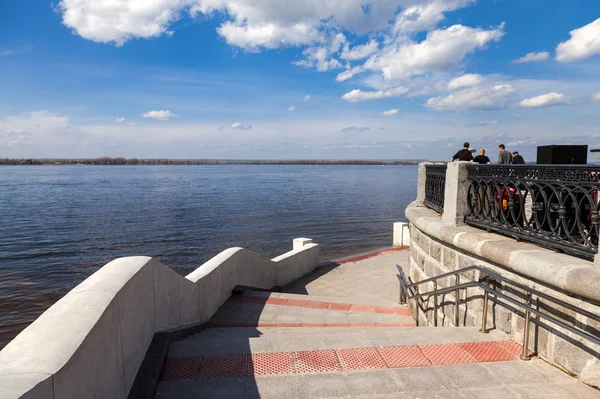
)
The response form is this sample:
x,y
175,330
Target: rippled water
x,y
59,224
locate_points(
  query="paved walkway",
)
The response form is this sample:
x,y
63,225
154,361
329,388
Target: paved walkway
x,y
351,342
369,277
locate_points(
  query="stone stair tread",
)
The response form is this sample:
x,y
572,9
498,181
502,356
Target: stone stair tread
x,y
268,340
321,298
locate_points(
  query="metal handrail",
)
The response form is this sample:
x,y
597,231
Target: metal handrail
x,y
406,294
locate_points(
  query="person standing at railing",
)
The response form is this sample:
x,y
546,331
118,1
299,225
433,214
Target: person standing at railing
x,y
517,159
464,154
481,159
504,157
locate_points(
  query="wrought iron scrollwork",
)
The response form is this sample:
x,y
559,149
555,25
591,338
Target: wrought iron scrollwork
x,y
551,205
435,187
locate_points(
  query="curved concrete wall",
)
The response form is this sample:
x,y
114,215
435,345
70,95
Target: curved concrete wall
x,y
91,343
438,248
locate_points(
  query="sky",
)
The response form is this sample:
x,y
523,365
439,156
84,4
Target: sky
x,y
296,79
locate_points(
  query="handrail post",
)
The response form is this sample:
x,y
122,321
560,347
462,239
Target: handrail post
x,y
485,310
525,354
435,304
456,299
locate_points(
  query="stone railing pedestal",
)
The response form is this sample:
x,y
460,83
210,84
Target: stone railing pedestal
x,y
422,178
457,189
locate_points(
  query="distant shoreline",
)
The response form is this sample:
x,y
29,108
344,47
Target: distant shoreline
x,y
134,161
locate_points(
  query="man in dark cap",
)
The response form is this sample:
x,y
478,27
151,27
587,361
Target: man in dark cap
x,y
518,159
464,154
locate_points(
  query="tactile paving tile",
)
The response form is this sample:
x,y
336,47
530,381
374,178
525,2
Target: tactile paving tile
x,y
403,356
180,368
223,366
271,364
360,359
446,354
487,352
316,361
512,347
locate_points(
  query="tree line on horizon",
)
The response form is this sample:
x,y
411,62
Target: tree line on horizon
x,y
135,161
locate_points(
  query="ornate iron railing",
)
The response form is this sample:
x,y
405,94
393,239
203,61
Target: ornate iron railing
x,y
435,186
554,206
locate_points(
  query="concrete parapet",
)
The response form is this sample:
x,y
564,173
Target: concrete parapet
x,y
572,280
401,234
91,343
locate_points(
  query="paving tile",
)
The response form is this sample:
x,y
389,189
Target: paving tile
x,y
562,391
520,372
446,354
182,368
296,303
420,379
271,364
403,356
360,359
328,385
277,387
372,382
487,352
339,306
317,305
223,366
316,361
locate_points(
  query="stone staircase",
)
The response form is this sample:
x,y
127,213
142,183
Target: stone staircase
x,y
276,345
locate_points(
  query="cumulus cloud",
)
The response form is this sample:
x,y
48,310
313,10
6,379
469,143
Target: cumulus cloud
x,y
478,97
545,100
440,50
584,43
120,120
390,112
468,80
240,126
360,52
532,57
358,95
161,115
320,58
307,97
355,129
596,96
292,108
426,16
489,123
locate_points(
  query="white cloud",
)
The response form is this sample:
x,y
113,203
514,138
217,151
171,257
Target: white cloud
x,y
441,50
64,126
532,57
306,97
596,96
390,112
360,52
584,43
355,129
292,108
131,124
240,126
424,17
490,123
319,57
161,115
349,73
269,35
545,100
358,95
468,80
478,97
120,120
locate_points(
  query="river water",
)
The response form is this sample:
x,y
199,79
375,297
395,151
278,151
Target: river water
x,y
59,224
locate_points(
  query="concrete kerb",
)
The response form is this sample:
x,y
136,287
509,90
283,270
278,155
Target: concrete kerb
x,y
92,341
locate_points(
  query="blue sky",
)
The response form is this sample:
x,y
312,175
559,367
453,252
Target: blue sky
x,y
256,79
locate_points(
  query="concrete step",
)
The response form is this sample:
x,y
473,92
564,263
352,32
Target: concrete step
x,y
322,298
227,341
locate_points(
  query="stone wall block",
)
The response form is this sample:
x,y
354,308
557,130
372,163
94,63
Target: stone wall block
x,y
435,250
449,258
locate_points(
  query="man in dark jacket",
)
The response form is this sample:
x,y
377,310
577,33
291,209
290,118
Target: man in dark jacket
x,y
464,154
518,159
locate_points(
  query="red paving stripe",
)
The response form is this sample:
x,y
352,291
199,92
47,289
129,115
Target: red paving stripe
x,y
302,303
319,361
367,256
266,325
